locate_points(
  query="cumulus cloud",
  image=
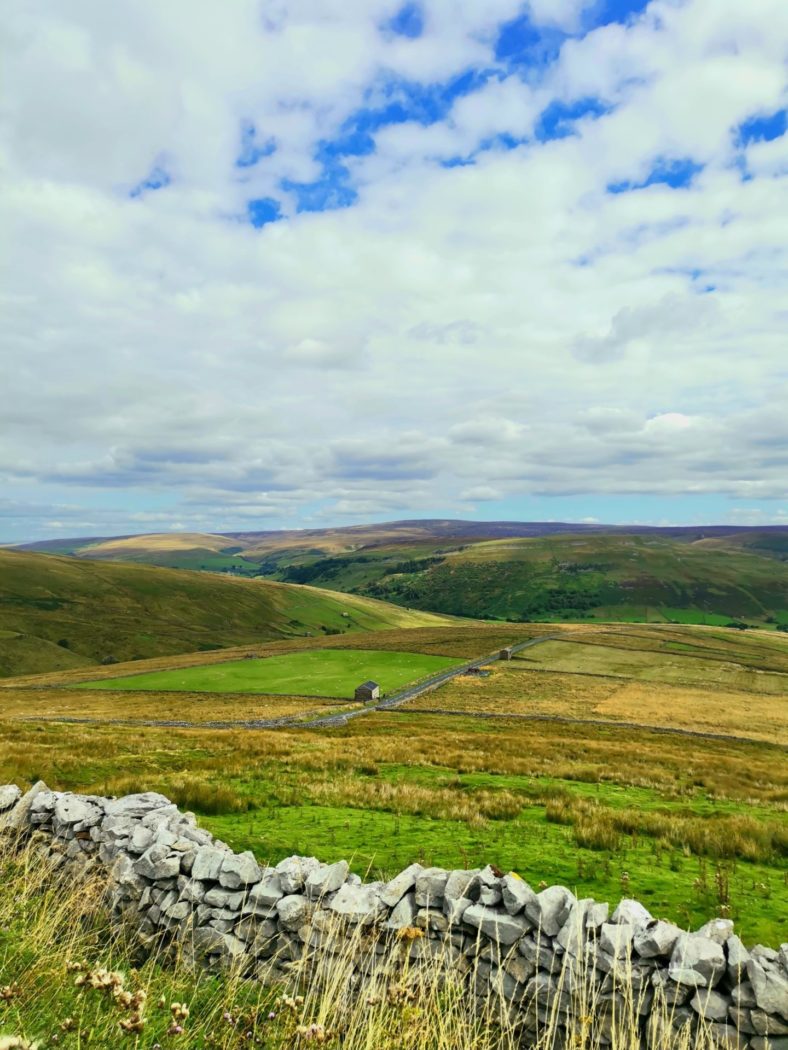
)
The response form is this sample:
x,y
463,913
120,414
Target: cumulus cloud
x,y
275,262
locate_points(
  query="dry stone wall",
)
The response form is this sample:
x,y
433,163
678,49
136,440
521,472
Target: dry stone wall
x,y
530,950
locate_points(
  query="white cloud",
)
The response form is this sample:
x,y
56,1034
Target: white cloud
x,y
476,332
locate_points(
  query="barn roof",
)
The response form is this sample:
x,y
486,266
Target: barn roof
x,y
369,685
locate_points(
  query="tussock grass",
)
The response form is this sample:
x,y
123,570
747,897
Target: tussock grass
x,y
72,979
725,837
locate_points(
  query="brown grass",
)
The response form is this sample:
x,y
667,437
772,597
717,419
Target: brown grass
x,y
165,706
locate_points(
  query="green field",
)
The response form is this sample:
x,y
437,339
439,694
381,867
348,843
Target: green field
x,y
692,821
318,672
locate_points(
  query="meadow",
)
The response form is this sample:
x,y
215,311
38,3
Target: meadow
x,y
602,800
315,672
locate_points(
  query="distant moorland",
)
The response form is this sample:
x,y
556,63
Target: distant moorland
x,y
717,575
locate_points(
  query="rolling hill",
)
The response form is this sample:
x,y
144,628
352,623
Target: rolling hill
x,y
503,570
58,613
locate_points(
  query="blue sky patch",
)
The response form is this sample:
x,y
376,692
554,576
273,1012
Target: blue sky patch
x,y
262,211
676,172
408,21
763,128
605,12
521,44
252,149
157,179
557,120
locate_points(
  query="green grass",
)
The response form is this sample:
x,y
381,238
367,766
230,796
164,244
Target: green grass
x,y
318,672
59,612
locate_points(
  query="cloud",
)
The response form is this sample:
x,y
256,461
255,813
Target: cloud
x,y
481,318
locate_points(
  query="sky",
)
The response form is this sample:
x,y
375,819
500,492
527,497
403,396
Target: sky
x,y
300,263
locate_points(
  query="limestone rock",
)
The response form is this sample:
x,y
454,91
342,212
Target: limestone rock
x,y
697,961
516,894
207,863
550,909
9,796
293,911
395,890
358,904
769,987
431,886
238,869
18,818
326,879
136,806
632,913
710,1004
404,913
656,939
499,926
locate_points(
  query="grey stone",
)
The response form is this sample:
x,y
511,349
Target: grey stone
x,y
157,863
516,893
9,796
616,939
454,909
294,871
726,1037
743,995
738,957
697,961
395,890
597,915
770,988
769,1042
264,895
358,904
498,926
207,863
136,807
141,839
656,939
632,913
719,930
710,1004
431,886
16,819
74,809
293,911
239,869
550,909
326,879
462,883
768,1024
403,915
519,968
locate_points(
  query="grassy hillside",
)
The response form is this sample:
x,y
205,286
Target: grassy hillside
x,y
60,613
610,577
504,570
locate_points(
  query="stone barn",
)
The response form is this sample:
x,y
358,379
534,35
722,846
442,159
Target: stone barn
x,y
367,691
506,654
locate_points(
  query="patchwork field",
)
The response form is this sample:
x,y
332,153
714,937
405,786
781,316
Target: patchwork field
x,y
318,672
693,825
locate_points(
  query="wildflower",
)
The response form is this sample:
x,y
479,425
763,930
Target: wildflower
x,y
179,1011
312,1033
134,1023
176,1029
9,992
68,1025
271,1015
